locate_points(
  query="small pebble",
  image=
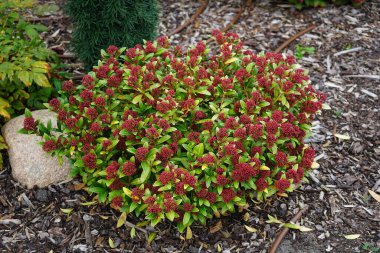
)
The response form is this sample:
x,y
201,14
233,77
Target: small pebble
x,y
42,195
87,217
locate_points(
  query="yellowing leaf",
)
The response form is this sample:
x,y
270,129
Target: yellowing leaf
x,y
352,237
298,227
40,67
111,243
90,203
273,220
219,248
3,105
24,77
189,233
66,210
246,217
231,60
137,99
218,226
342,136
127,191
250,229
326,107
121,220
263,167
374,195
133,232
217,214
41,79
315,165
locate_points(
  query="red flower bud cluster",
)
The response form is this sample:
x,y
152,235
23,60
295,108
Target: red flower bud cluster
x,y
30,124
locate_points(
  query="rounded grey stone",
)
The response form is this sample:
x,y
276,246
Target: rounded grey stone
x,y
30,164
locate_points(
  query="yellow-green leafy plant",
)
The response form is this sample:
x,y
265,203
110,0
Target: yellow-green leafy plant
x,y
26,65
3,146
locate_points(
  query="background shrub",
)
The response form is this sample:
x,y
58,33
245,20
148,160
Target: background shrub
x,y
185,136
321,3
98,24
27,67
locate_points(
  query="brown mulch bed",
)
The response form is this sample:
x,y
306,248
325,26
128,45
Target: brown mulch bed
x,y
346,67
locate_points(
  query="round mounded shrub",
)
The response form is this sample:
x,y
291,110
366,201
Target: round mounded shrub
x,y
185,136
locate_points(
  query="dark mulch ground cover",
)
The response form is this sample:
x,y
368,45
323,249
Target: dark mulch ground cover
x,y
346,66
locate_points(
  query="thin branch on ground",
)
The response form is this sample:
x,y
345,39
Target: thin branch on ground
x,y
296,36
39,19
192,19
238,15
236,18
67,56
284,231
131,225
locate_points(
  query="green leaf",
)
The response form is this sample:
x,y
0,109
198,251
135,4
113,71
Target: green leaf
x,y
146,172
31,32
170,215
96,189
137,99
41,79
133,232
273,220
163,139
151,237
249,67
199,150
204,92
186,218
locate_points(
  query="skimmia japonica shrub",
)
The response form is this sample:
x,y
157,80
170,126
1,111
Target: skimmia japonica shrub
x,y
187,135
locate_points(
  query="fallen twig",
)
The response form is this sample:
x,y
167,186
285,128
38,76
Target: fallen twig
x,y
39,19
67,56
238,15
290,40
348,51
376,77
131,225
192,19
10,221
285,230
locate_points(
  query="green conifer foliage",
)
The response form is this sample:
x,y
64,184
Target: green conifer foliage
x,y
99,23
